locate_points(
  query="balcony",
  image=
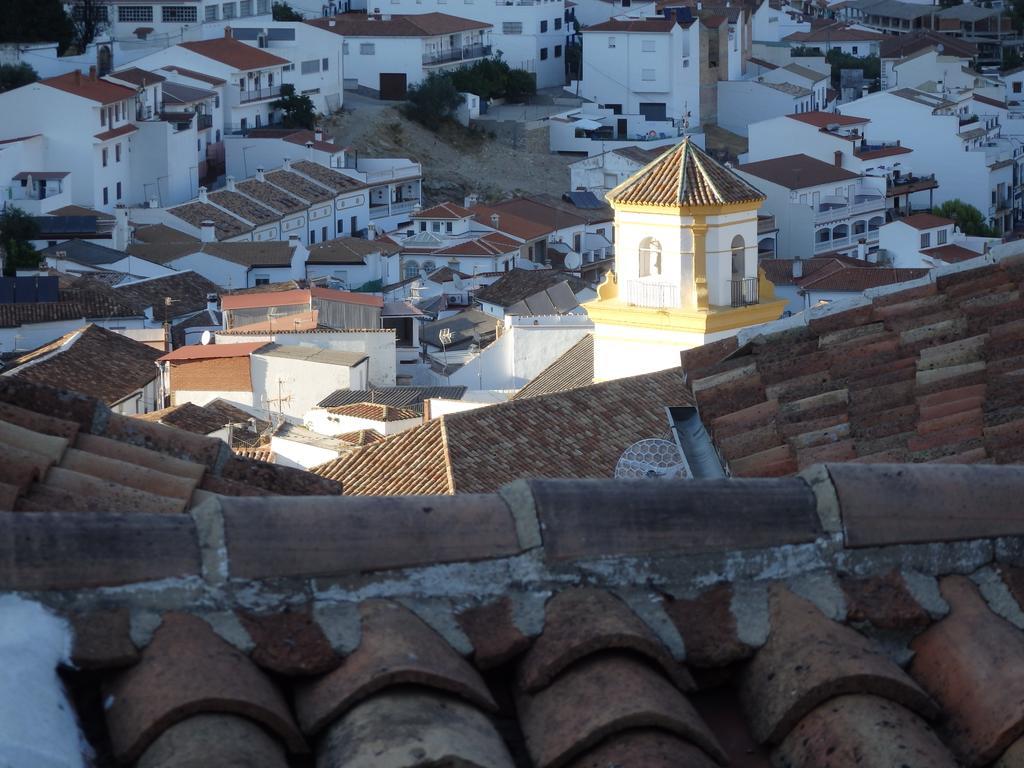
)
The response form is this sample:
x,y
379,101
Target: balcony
x,y
839,211
204,121
451,55
379,211
743,291
640,293
403,206
909,183
259,94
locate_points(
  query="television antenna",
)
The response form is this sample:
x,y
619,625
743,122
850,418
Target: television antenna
x,y
652,459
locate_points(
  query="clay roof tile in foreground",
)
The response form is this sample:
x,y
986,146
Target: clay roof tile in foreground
x,y
684,176
374,412
916,372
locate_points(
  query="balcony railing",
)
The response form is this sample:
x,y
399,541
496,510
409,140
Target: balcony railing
x,y
204,121
403,206
449,55
259,94
744,291
640,293
844,211
379,211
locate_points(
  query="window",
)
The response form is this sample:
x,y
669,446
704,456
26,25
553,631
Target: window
x,y
324,63
647,46
854,50
511,27
263,279
738,257
647,75
312,236
103,117
228,10
117,153
940,237
429,267
245,8
179,14
117,112
544,25
926,239
344,48
448,227
650,257
211,12
558,23
543,54
558,51
611,42
133,13
103,155
423,226
106,196
309,67
118,190
435,226
262,6
1017,87
323,233
367,49
410,270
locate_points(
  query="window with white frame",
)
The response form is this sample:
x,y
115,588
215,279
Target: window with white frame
x,y
367,49
611,42
511,27
940,237
179,14
212,12
926,239
650,257
245,8
324,64
647,75
228,10
310,67
135,13
263,6
647,46
344,49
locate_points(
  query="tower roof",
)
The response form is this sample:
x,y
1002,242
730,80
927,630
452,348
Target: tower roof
x,y
684,176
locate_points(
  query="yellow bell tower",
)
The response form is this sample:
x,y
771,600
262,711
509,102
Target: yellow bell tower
x,y
686,268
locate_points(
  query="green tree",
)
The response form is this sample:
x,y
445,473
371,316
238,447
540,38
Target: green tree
x,y
299,111
968,218
16,75
284,12
870,65
1011,59
486,78
17,229
433,102
36,21
520,85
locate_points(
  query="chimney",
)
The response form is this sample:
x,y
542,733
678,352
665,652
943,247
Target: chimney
x,y
470,201
839,158
286,164
331,22
293,241
495,220
318,134
260,175
229,183
798,269
121,230
212,302
202,195
371,231
227,33
92,72
209,232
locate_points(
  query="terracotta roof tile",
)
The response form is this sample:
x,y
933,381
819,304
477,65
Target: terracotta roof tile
x,y
328,177
396,648
214,740
398,25
270,195
684,176
234,53
91,88
375,412
571,370
243,207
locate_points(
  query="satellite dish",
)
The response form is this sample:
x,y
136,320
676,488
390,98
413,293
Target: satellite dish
x,y
652,459
206,338
573,260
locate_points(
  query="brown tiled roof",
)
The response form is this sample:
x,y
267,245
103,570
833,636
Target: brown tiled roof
x,y
202,419
262,453
925,221
299,186
375,412
491,244
270,195
212,351
137,76
243,207
950,253
327,177
363,436
397,25
834,34
193,75
517,226
638,154
519,284
633,25
845,278
91,360
91,302
161,233
874,154
684,176
348,250
186,290
918,374
444,211
903,45
93,89
225,225
797,171
825,119
577,433
572,370
234,53
115,133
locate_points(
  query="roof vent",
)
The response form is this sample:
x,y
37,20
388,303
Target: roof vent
x,y
693,442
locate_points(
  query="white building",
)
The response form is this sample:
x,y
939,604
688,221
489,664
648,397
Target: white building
x,y
686,267
252,76
230,265
355,417
161,23
929,69
386,53
773,21
26,181
741,102
529,35
925,240
647,67
849,39
600,173
87,122
293,379
592,130
970,158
